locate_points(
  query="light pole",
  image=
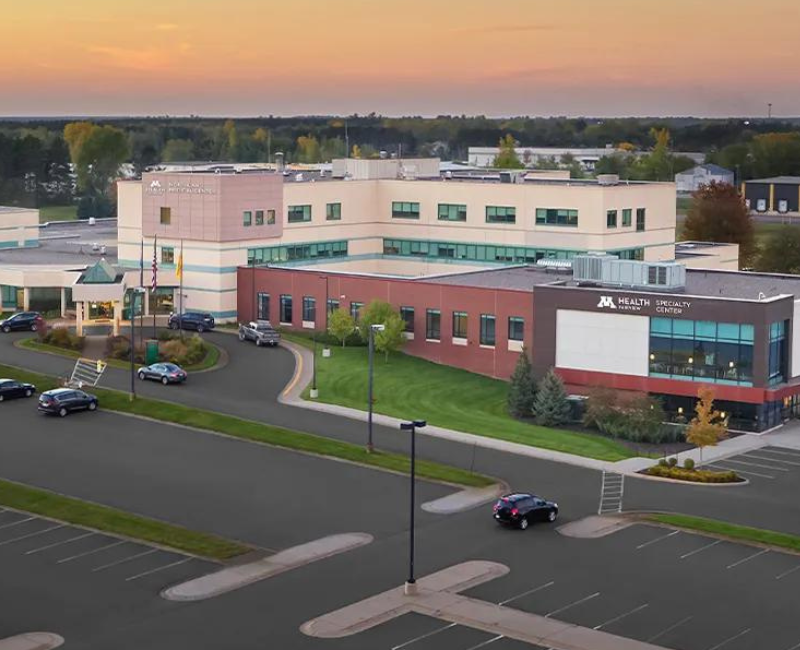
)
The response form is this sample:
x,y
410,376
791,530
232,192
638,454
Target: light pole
x,y
411,583
314,390
327,315
132,315
378,327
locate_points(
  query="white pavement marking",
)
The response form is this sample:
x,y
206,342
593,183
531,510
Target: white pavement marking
x,y
15,523
38,532
621,616
63,541
424,636
94,550
527,593
577,602
733,638
32,641
738,471
746,559
702,548
786,573
123,560
772,460
782,452
657,539
161,568
761,466
669,629
485,643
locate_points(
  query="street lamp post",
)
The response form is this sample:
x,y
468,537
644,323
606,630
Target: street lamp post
x,y
314,390
132,315
411,583
378,327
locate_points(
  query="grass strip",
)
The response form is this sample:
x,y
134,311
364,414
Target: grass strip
x,y
114,400
731,531
93,515
209,361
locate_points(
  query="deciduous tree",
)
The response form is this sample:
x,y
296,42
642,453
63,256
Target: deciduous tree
x,y
341,325
708,426
177,150
780,253
507,157
380,312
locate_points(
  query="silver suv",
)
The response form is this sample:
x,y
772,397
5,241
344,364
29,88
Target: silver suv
x,y
259,331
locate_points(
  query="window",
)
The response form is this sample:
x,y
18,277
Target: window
x,y
167,255
626,217
777,352
611,219
407,314
270,217
640,217
459,324
355,310
333,212
500,214
296,252
262,313
433,322
299,213
657,275
259,217
333,305
166,216
556,217
405,210
479,252
286,308
309,309
516,328
247,218
488,329
452,212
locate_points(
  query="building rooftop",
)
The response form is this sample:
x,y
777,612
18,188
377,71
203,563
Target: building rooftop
x,y
709,167
520,278
777,180
68,244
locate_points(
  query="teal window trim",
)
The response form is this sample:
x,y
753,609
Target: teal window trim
x,y
499,253
299,251
333,212
611,218
516,328
298,214
405,210
501,214
627,215
452,212
557,217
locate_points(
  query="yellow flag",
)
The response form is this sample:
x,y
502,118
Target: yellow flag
x,y
179,267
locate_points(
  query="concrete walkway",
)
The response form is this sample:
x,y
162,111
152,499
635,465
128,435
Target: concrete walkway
x,y
437,596
786,436
32,641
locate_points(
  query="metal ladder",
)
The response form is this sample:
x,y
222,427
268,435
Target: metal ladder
x,y
87,372
611,493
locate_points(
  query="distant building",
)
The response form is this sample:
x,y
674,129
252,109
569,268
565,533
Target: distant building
x,y
692,179
779,194
531,156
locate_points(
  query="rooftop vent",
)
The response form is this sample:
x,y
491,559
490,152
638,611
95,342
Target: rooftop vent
x,y
608,270
608,179
559,265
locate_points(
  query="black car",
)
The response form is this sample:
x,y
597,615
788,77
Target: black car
x,y
191,320
65,400
521,509
166,373
10,388
24,320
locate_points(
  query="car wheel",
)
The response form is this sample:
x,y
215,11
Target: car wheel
x,y
200,329
241,336
141,376
62,412
92,406
6,329
164,381
2,397
258,343
551,516
173,326
523,523
28,393
34,327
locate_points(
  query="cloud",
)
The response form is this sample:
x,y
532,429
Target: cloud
x,y
505,29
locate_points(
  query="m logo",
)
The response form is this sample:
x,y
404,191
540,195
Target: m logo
x,y
607,301
155,184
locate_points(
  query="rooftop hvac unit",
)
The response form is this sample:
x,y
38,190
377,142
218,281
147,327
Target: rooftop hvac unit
x,y
608,179
608,270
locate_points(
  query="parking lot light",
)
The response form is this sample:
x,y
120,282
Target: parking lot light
x,y
411,584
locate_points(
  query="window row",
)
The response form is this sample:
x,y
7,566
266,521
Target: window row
x,y
557,217
627,214
292,252
302,213
247,217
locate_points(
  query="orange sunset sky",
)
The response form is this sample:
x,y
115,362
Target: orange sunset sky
x,y
422,57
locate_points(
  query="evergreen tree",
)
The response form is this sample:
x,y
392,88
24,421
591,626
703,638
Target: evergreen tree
x,y
551,404
522,391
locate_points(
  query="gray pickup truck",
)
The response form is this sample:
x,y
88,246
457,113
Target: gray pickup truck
x,y
259,331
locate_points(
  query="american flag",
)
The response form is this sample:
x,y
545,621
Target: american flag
x,y
154,284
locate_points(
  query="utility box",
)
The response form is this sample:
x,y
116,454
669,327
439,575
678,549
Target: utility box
x,y
151,352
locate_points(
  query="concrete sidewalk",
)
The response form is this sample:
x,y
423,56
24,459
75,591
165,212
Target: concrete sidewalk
x,y
786,436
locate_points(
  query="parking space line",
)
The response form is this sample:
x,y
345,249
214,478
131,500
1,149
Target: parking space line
x,y
15,523
786,573
702,548
749,557
733,638
526,593
424,636
161,568
64,541
772,460
38,532
783,451
742,462
95,550
577,602
738,471
620,617
122,561
658,539
485,643
669,629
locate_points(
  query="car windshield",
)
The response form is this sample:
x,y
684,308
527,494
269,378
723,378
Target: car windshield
x,y
263,327
171,367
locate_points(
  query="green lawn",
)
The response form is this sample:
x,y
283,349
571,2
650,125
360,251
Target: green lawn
x,y
409,387
58,213
94,515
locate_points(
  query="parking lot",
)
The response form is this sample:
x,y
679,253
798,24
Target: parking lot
x,y
766,464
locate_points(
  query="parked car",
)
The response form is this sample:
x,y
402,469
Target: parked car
x,y
61,401
166,373
259,331
10,388
24,320
191,320
521,509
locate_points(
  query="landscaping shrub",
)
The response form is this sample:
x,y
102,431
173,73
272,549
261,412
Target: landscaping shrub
x,y
672,461
629,416
173,351
663,462
693,475
688,463
61,337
